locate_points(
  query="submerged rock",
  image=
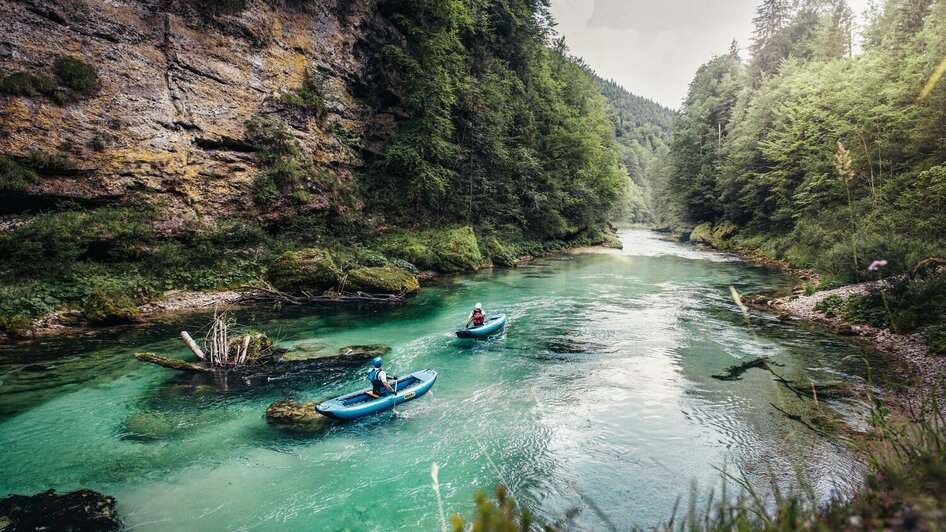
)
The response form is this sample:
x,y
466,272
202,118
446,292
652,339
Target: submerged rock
x,y
296,416
82,510
381,280
311,270
323,353
152,425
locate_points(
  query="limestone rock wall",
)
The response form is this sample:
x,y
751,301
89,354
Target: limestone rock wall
x,y
176,87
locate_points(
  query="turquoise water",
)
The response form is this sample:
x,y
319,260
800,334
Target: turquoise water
x,y
598,395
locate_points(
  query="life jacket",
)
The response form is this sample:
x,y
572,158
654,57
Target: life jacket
x,y
478,318
374,376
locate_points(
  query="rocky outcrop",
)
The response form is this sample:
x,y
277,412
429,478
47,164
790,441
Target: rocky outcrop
x,y
175,84
83,510
381,280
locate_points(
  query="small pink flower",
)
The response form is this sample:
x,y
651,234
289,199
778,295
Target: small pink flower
x,y
876,265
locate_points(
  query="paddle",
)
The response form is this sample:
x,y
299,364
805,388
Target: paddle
x,y
394,406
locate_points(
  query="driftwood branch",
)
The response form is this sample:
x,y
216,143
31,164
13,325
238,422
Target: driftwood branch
x,y
266,293
192,345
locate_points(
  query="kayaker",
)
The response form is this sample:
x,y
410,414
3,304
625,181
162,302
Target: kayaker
x,y
379,379
477,317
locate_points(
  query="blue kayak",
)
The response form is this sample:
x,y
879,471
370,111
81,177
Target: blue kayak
x,y
492,324
358,404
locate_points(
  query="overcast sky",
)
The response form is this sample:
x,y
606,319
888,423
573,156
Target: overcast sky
x,y
653,47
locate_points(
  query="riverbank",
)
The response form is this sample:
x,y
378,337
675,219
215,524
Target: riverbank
x,y
65,322
926,367
929,369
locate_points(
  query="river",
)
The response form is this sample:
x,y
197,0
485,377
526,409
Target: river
x,y
598,395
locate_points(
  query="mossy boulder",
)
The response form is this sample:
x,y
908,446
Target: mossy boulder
x,y
381,280
103,308
702,234
716,236
311,270
499,253
261,346
456,250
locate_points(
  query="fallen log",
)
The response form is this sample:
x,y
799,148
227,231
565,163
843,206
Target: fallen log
x,y
172,363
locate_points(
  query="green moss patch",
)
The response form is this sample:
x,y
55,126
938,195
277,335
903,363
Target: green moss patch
x,y
310,269
381,280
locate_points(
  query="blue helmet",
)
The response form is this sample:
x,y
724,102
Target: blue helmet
x,y
376,362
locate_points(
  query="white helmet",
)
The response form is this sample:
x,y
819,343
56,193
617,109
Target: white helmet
x,y
479,306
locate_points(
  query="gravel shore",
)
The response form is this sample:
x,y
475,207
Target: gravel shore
x,y
930,369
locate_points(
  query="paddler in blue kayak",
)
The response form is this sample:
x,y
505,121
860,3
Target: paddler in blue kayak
x,y
379,379
477,318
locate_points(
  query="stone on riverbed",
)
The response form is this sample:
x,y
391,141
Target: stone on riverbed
x,y
319,351
73,512
154,425
296,416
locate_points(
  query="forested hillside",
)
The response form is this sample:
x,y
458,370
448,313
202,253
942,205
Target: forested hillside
x,y
192,144
643,129
821,157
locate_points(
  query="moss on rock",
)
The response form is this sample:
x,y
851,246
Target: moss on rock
x,y
381,280
102,308
456,250
716,236
310,269
498,253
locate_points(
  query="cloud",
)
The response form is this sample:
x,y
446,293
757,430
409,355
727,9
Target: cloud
x,y
666,15
653,47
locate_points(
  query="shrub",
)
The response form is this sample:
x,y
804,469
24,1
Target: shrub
x,y
935,337
868,309
26,84
15,176
403,264
76,74
370,259
309,97
265,192
47,163
830,305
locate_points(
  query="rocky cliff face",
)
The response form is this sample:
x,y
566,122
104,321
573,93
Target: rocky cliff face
x,y
177,82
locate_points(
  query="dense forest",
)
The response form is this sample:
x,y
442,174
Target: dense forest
x,y
826,158
643,129
506,129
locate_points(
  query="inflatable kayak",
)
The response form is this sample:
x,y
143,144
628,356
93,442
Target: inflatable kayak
x,y
492,324
358,404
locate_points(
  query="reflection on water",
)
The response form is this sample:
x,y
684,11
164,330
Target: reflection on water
x,y
599,393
